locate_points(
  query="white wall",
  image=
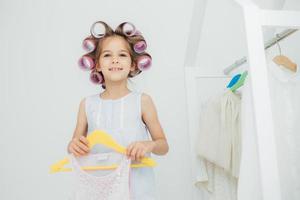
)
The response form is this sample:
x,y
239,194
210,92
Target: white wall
x,y
41,87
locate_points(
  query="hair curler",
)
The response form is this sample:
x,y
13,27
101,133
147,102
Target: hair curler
x,y
98,29
128,29
96,77
89,44
86,63
140,46
144,62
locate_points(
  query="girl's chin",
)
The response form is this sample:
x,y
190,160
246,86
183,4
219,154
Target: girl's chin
x,y
116,78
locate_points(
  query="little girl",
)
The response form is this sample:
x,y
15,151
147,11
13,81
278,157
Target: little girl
x,y
112,58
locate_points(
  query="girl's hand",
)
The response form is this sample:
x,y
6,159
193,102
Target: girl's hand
x,y
79,146
137,150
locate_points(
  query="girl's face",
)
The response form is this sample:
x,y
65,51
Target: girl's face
x,y
115,61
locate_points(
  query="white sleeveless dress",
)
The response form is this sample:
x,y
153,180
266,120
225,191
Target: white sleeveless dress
x,y
122,119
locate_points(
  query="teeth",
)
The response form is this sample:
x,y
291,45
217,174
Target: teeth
x,y
115,69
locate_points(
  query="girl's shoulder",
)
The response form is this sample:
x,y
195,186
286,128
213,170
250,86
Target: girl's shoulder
x,y
145,97
147,103
141,94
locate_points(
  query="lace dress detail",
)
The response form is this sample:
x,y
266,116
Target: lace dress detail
x,y
114,185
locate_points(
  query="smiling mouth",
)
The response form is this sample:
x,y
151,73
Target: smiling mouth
x,y
115,69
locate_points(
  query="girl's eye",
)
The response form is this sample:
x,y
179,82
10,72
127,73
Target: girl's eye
x,y
123,55
106,55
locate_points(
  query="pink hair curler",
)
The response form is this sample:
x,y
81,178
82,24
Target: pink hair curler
x,y
144,62
98,29
86,63
140,46
128,29
89,44
96,77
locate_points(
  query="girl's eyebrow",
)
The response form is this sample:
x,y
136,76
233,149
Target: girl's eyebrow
x,y
123,50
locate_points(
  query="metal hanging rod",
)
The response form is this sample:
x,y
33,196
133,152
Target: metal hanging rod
x,y
268,44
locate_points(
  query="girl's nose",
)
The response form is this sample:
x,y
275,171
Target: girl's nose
x,y
115,60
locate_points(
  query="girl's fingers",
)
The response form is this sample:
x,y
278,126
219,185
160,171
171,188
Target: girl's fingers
x,y
133,154
141,154
74,152
84,140
76,148
135,151
129,150
83,146
138,155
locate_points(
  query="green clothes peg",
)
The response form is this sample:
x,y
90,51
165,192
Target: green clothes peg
x,y
240,82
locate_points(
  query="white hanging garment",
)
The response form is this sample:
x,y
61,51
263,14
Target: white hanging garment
x,y
285,103
101,184
285,98
216,182
218,146
218,140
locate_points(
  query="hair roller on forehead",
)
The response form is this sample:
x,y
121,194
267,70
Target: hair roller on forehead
x,y
99,29
128,29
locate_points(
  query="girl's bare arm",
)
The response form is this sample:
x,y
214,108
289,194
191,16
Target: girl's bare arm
x,y
78,144
149,116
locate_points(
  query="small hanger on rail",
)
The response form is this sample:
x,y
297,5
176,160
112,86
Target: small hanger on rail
x,y
284,60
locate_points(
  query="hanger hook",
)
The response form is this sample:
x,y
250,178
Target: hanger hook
x,y
277,37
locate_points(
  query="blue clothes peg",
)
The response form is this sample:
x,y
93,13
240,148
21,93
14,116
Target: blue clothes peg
x,y
240,82
234,80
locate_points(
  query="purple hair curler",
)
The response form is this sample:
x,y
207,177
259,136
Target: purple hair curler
x,y
98,29
96,77
140,46
128,29
89,44
144,62
86,63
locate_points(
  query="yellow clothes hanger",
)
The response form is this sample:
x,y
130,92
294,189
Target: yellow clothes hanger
x,y
101,137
